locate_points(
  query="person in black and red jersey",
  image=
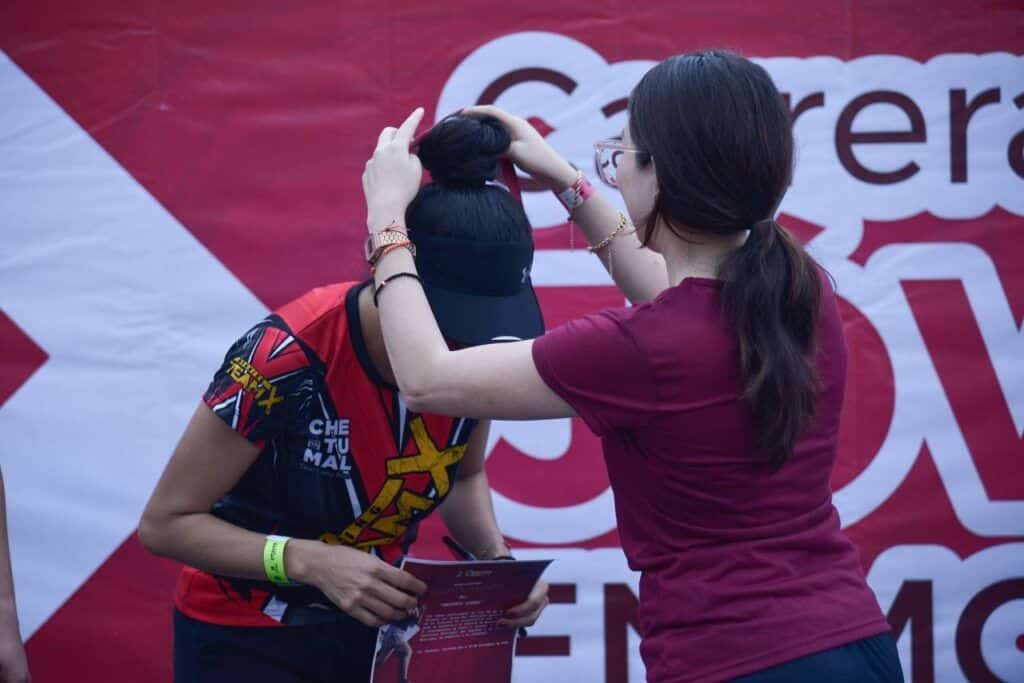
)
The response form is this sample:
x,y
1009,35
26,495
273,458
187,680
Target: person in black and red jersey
x,y
302,435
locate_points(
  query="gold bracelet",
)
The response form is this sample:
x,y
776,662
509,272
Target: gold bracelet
x,y
615,233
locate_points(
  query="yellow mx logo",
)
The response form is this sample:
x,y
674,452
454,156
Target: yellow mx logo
x,y
430,459
255,383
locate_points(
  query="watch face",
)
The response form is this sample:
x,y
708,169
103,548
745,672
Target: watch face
x,y
368,248
376,242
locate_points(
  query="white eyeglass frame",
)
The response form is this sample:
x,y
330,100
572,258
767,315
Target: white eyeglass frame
x,y
613,148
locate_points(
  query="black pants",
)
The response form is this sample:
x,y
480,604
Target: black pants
x,y
334,652
871,660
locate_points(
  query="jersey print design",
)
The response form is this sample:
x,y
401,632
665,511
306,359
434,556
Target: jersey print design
x,y
341,458
248,399
374,527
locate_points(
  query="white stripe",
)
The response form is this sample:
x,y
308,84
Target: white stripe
x,y
280,347
252,351
275,608
357,509
403,412
225,404
238,403
458,431
285,375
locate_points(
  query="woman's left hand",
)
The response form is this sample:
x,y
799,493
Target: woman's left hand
x,y
392,176
527,613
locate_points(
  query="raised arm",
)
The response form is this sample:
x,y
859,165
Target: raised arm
x,y
494,380
639,272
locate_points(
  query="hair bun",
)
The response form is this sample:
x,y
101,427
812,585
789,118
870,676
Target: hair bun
x,y
464,150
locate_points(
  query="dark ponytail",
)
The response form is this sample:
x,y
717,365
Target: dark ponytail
x,y
771,296
720,138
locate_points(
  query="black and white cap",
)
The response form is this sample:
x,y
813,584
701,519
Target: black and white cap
x,y
480,292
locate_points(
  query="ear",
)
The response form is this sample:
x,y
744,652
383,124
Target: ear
x,y
647,173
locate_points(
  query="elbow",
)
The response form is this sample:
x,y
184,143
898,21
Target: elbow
x,y
427,387
151,534
432,389
418,401
419,394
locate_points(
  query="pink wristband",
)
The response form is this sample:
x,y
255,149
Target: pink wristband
x,y
573,196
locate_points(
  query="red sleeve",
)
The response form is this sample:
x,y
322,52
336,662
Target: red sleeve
x,y
260,383
596,366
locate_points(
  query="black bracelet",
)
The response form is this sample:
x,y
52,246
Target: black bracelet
x,y
377,291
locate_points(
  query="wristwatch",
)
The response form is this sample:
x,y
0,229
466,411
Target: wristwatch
x,y
377,242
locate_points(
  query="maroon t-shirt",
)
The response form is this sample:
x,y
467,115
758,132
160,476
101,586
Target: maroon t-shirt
x,y
741,568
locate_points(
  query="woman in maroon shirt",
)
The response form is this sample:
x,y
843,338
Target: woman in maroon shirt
x,y
717,395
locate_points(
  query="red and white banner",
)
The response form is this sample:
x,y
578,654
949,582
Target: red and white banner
x,y
171,171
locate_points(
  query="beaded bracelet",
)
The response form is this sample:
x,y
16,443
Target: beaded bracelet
x,y
390,248
573,196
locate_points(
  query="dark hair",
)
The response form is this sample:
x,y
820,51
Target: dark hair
x,y
722,146
461,153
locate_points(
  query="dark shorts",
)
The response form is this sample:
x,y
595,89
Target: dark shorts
x,y
208,653
870,660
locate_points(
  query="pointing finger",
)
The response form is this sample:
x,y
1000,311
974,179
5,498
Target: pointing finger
x,y
408,127
386,136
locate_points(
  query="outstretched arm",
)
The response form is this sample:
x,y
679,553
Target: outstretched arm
x,y
639,272
495,380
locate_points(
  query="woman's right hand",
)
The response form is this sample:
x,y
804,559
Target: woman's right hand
x,y
364,586
529,150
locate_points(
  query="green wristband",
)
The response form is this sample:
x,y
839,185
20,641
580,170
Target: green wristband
x,y
273,559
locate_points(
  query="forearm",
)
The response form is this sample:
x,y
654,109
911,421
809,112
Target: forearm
x,y
414,343
639,272
468,512
206,542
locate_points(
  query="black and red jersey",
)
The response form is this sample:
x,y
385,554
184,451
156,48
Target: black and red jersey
x,y
342,459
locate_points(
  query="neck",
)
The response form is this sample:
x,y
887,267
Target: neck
x,y
695,254
373,338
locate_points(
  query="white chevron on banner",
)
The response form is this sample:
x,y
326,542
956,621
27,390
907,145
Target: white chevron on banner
x,y
135,315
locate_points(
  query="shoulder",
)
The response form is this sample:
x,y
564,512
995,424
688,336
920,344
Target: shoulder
x,y
308,309
604,344
691,310
608,326
321,317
